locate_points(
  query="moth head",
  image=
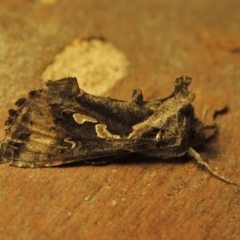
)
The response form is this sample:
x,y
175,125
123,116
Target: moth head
x,y
181,128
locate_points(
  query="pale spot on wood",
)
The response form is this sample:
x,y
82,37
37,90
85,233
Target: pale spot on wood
x,y
97,64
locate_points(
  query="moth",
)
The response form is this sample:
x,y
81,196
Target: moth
x,y
60,123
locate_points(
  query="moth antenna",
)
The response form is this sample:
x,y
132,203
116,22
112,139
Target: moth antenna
x,y
220,111
215,114
204,113
200,161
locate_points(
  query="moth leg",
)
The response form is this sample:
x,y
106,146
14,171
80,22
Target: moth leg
x,y
200,161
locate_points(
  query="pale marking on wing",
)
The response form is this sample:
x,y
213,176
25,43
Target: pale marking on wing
x,y
68,140
81,118
41,140
102,132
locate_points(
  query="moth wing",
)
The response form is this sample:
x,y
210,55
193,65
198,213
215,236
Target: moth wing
x,y
35,140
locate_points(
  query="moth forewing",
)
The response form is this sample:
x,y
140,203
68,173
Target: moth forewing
x,y
60,123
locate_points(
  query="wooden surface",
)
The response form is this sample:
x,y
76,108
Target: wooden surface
x,y
152,199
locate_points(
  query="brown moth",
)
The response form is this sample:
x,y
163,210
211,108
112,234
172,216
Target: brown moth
x,y
60,124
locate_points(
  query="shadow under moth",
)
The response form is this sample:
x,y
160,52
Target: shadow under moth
x,y
60,124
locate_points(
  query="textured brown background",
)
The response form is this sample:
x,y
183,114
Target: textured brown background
x,y
149,200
